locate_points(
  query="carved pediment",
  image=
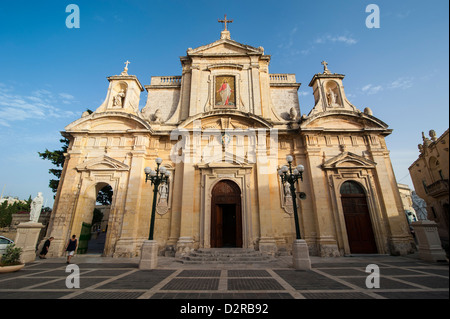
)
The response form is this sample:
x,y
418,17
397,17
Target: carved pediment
x,y
225,120
225,46
348,160
102,163
108,121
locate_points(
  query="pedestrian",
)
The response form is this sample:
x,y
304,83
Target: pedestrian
x,y
71,247
44,250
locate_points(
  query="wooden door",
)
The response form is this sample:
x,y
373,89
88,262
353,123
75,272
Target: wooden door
x,y
226,216
360,234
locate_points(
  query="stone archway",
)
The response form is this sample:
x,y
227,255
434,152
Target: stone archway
x,y
226,215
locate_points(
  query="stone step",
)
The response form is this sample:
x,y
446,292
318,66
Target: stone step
x,y
225,256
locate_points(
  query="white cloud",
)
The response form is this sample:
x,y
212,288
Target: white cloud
x,y
66,96
372,89
333,39
401,83
39,105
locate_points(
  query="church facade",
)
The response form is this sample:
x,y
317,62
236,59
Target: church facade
x,y
223,129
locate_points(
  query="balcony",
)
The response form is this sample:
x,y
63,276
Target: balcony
x,y
438,189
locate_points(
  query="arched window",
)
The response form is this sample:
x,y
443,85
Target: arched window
x,y
350,187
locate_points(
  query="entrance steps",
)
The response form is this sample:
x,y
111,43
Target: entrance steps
x,y
225,256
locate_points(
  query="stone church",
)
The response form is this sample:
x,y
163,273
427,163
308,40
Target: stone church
x,y
222,129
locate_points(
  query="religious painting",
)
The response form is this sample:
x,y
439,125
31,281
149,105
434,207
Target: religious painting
x,y
225,91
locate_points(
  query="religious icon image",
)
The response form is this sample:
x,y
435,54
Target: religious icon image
x,y
225,91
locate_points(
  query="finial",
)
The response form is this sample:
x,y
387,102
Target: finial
x,y
325,68
125,70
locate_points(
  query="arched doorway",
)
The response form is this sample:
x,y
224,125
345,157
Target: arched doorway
x,y
360,234
92,237
226,215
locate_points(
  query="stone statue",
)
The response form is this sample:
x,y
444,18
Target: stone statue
x,y
118,99
293,114
426,140
287,190
162,207
36,207
420,206
163,190
432,134
157,116
331,97
420,146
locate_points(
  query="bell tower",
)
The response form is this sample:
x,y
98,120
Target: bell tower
x,y
123,93
329,92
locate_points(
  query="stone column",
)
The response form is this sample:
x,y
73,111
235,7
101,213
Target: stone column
x,y
26,238
186,240
267,243
430,248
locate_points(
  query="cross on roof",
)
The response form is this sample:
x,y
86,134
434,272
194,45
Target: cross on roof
x,y
325,68
126,64
225,22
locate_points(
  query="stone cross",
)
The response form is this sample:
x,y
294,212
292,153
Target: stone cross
x,y
325,69
126,64
225,22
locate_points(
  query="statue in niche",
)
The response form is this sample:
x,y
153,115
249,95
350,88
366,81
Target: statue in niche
x,y
332,98
162,207
119,98
287,194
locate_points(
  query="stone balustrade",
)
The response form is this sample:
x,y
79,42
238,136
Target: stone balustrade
x,y
166,80
282,78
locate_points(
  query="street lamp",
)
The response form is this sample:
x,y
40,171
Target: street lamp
x,y
291,176
300,252
161,175
149,249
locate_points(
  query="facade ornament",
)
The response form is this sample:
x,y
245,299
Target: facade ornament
x,y
432,134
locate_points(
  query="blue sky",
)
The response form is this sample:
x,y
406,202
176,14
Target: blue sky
x,y
51,74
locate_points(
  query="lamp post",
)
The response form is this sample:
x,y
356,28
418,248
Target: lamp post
x,y
291,178
300,248
161,175
149,250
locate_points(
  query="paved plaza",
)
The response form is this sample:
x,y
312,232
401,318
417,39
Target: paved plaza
x,y
330,278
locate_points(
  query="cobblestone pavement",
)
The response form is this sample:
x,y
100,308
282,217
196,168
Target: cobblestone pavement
x,y
330,278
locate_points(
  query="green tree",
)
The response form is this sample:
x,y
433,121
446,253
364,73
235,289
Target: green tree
x,y
57,158
6,211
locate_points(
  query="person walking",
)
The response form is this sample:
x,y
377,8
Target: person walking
x,y
71,247
45,248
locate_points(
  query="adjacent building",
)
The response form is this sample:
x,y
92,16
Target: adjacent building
x,y
429,174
